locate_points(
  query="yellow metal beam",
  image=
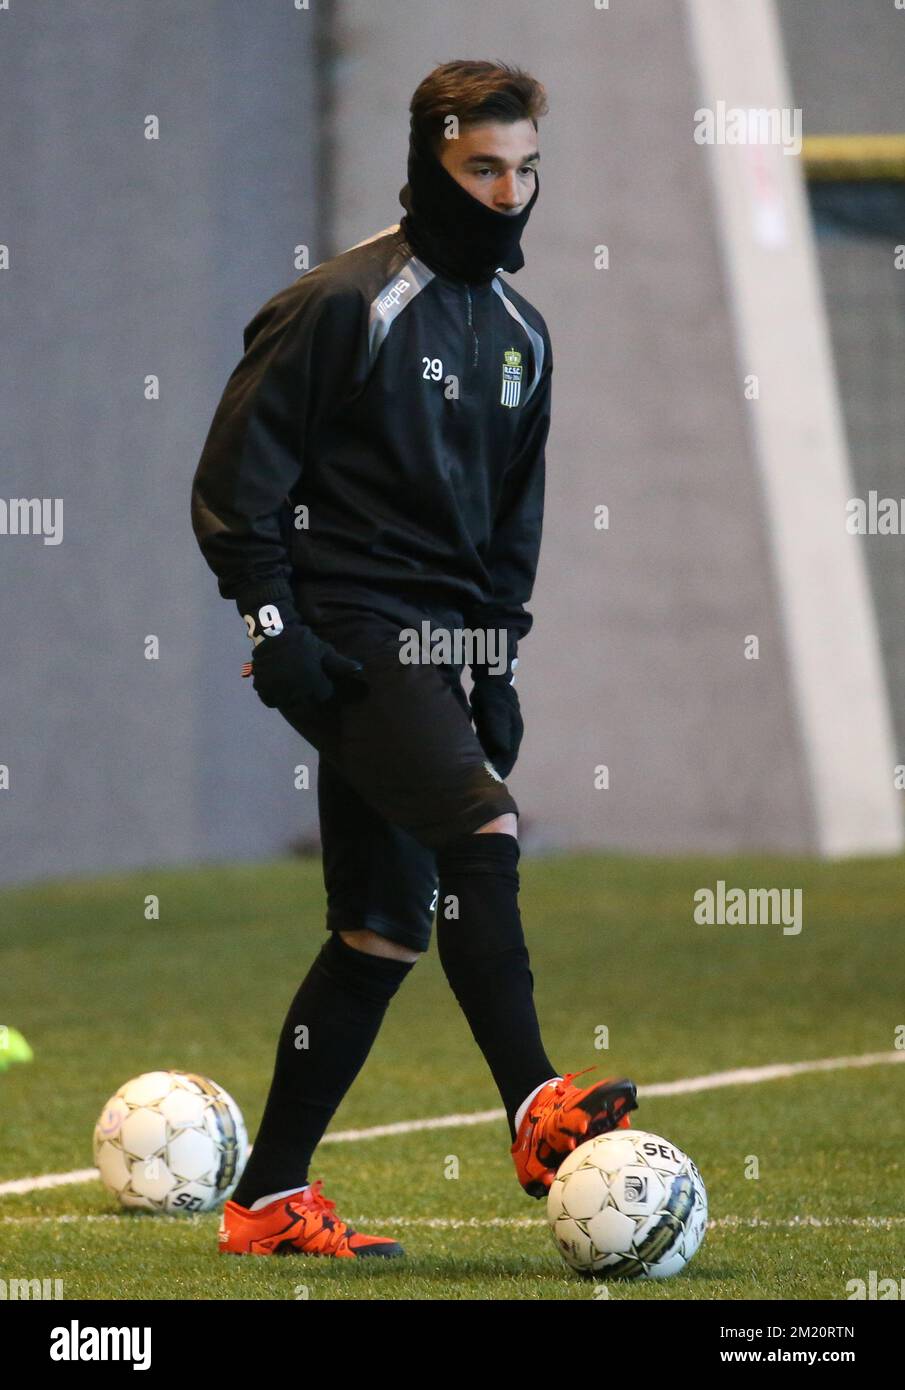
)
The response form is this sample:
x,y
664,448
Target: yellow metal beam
x,y
852,158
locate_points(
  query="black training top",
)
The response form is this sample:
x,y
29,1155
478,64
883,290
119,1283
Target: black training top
x,y
382,440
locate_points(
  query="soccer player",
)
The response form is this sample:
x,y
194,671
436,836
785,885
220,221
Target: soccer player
x,y
377,463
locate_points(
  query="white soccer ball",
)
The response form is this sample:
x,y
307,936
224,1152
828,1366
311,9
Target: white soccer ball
x,y
170,1142
628,1204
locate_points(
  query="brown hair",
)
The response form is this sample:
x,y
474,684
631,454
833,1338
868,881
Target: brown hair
x,y
473,91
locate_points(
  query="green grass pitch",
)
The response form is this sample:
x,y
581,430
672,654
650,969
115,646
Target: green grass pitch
x,y
101,994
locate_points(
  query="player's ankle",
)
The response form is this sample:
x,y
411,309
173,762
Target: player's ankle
x,y
523,1108
275,1196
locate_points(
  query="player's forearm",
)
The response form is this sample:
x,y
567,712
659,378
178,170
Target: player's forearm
x,y
250,462
302,352
512,566
250,559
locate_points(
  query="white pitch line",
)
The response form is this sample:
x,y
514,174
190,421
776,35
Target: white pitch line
x,y
713,1081
746,1076
48,1180
65,1218
452,1223
348,1136
794,1223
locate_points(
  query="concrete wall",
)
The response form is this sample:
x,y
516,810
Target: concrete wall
x,y
131,257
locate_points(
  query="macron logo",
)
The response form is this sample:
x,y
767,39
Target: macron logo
x,y
393,296
76,1343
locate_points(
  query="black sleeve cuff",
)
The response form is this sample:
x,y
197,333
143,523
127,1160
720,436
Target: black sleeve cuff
x,y
276,594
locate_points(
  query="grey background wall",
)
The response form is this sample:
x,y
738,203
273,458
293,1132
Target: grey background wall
x,y
131,257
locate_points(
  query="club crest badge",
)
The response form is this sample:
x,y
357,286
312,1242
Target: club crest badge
x,y
512,377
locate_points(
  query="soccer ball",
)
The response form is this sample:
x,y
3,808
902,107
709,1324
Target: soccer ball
x,y
627,1204
170,1142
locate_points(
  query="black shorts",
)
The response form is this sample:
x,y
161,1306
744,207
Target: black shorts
x,y
401,773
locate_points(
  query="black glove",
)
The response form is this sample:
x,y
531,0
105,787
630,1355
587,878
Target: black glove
x,y
290,664
498,721
496,713
297,667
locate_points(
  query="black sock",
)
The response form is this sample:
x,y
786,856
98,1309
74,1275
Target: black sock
x,y
341,1001
485,960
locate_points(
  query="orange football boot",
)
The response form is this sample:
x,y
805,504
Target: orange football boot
x,y
304,1224
560,1117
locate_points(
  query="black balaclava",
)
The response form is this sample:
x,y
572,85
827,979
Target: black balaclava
x,y
453,232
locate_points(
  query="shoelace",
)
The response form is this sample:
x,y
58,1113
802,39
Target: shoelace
x,y
622,1123
559,1090
561,1086
317,1198
319,1203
